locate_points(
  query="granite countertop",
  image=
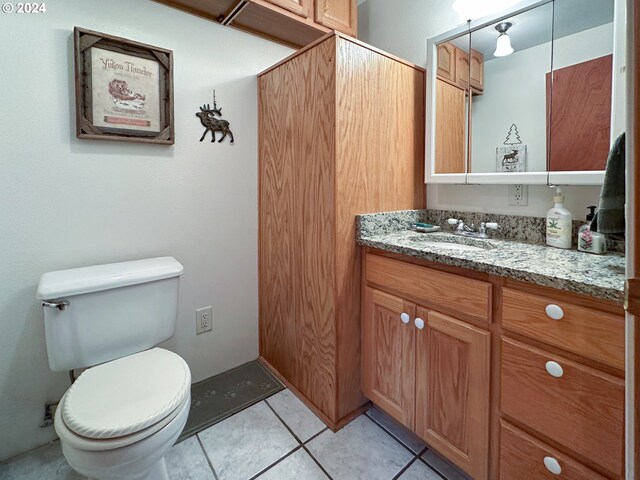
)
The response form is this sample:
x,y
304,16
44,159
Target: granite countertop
x,y
600,276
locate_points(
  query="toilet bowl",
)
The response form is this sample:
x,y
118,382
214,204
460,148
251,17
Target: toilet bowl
x,y
121,415
119,419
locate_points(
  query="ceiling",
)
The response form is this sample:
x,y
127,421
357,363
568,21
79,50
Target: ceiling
x,y
535,26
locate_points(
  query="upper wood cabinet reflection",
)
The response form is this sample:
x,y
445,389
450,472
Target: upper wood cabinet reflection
x,y
542,105
299,7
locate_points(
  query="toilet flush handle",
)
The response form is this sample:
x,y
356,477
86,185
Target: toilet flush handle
x,y
61,305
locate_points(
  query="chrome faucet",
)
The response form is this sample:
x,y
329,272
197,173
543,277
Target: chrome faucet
x,y
460,228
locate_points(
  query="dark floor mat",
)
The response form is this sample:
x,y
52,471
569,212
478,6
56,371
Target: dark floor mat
x,y
219,397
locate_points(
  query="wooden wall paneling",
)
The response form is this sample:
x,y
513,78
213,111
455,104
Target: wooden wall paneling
x,y
450,129
583,410
277,179
388,354
452,390
341,15
580,115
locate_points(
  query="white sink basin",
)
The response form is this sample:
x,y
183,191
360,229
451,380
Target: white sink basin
x,y
460,244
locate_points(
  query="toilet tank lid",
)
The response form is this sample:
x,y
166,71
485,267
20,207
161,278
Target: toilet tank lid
x,y
76,281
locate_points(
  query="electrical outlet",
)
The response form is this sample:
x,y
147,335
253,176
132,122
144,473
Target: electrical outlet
x,y
518,195
204,320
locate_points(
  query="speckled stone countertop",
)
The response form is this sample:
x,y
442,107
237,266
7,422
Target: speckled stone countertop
x,y
600,276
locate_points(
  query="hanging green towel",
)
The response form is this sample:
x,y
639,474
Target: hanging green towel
x,y
610,216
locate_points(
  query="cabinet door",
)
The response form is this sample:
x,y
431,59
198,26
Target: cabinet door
x,y
446,62
299,7
462,68
388,354
452,390
450,128
476,70
339,15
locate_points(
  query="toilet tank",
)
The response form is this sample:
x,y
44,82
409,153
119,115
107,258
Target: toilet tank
x,y
114,310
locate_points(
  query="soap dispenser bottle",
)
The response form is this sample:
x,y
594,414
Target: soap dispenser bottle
x,y
588,241
559,223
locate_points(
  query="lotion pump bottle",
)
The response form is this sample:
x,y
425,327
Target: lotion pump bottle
x,y
558,223
588,241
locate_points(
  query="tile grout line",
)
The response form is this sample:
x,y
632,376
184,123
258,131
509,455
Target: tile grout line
x,y
316,435
434,468
303,444
269,467
283,422
215,475
405,468
391,435
317,462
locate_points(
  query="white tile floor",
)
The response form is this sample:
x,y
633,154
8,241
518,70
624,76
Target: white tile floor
x,y
276,439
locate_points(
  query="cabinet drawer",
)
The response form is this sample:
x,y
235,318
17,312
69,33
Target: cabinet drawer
x,y
523,456
590,333
432,288
574,405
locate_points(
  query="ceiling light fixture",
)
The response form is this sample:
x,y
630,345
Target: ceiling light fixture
x,y
503,45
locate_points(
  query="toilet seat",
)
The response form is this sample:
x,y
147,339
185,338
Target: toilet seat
x,y
133,396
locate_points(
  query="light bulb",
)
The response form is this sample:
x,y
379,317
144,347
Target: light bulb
x,y
503,46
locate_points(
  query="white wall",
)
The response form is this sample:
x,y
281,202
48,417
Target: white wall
x,y
66,202
402,27
515,92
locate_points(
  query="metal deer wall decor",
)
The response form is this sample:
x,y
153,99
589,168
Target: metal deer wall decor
x,y
207,116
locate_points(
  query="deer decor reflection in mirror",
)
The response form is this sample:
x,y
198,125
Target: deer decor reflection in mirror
x,y
555,68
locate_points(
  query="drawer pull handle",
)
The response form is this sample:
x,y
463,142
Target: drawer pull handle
x,y
405,317
554,369
554,311
552,465
419,323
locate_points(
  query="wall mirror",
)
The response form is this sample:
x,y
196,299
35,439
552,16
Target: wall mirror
x,y
533,95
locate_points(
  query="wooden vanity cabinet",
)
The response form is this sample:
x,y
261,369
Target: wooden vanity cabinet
x,y
389,354
427,369
505,379
452,390
561,376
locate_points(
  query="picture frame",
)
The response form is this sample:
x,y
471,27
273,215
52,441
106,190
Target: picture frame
x,y
124,89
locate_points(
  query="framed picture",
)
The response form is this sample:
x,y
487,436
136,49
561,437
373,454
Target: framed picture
x,y
511,158
124,89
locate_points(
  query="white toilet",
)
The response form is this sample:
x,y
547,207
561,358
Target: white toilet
x,y
123,414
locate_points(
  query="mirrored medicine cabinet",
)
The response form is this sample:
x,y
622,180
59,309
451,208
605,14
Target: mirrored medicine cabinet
x,y
534,95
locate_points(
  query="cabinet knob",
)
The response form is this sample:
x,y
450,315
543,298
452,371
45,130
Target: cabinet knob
x,y
552,465
405,317
419,323
554,369
554,311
